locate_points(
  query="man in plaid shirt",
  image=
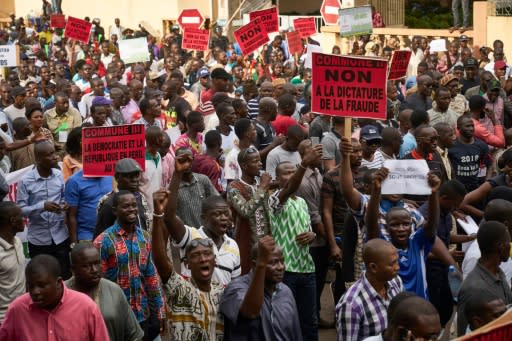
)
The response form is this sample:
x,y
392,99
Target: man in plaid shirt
x,y
362,311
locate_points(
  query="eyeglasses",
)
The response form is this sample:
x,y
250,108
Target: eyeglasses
x,y
246,152
372,142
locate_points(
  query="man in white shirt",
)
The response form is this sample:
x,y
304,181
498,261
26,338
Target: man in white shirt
x,y
152,175
116,29
12,258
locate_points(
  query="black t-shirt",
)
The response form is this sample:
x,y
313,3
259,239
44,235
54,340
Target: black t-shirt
x,y
468,83
265,134
467,159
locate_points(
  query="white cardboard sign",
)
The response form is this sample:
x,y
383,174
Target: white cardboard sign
x,y
134,50
406,177
438,45
7,55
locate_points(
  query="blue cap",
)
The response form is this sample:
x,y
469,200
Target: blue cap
x,y
203,72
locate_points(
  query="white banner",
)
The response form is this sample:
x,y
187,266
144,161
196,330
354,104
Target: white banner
x,y
8,56
406,177
134,50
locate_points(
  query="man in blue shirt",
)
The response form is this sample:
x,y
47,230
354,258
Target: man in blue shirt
x,y
413,248
82,195
40,196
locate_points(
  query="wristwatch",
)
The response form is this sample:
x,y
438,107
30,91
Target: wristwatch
x,y
72,245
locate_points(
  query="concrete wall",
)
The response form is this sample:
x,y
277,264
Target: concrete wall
x,y
6,7
131,12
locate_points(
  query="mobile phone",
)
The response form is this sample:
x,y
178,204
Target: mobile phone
x,y
315,140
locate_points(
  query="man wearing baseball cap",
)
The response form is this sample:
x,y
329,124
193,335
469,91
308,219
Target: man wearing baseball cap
x,y
17,109
127,174
370,141
203,82
471,78
219,83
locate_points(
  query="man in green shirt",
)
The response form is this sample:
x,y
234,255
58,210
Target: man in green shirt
x,y
291,228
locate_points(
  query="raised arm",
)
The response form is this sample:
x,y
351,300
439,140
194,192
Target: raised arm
x,y
253,300
351,195
246,208
162,262
372,211
433,206
474,198
311,157
174,224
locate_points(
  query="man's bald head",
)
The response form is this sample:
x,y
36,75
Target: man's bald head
x,y
374,249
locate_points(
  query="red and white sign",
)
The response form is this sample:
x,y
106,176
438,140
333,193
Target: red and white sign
x,y
399,64
78,29
269,17
251,36
58,21
190,18
349,86
294,42
305,26
195,39
330,11
102,147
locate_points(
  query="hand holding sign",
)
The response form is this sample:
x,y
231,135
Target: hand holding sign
x,y
409,177
346,147
433,181
378,178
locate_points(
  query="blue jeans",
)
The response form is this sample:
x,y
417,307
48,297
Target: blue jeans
x,y
465,12
56,6
303,286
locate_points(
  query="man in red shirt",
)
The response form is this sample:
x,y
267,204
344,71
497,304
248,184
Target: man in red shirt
x,y
284,120
220,82
46,311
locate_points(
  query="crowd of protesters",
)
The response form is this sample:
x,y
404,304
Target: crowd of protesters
x,y
247,199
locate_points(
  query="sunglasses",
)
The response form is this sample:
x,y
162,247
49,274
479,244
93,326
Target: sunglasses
x,y
246,152
200,241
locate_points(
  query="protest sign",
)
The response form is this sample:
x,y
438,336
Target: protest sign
x,y
294,42
349,86
196,39
58,21
78,29
355,21
251,36
134,50
438,45
406,177
310,49
8,56
269,18
305,26
399,64
102,147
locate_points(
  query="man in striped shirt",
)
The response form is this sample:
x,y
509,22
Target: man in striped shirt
x,y
216,216
362,311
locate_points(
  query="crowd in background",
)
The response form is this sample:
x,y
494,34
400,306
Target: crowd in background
x,y
247,198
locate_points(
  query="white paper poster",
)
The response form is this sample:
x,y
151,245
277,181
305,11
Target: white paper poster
x,y
134,50
438,45
406,177
7,55
309,55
